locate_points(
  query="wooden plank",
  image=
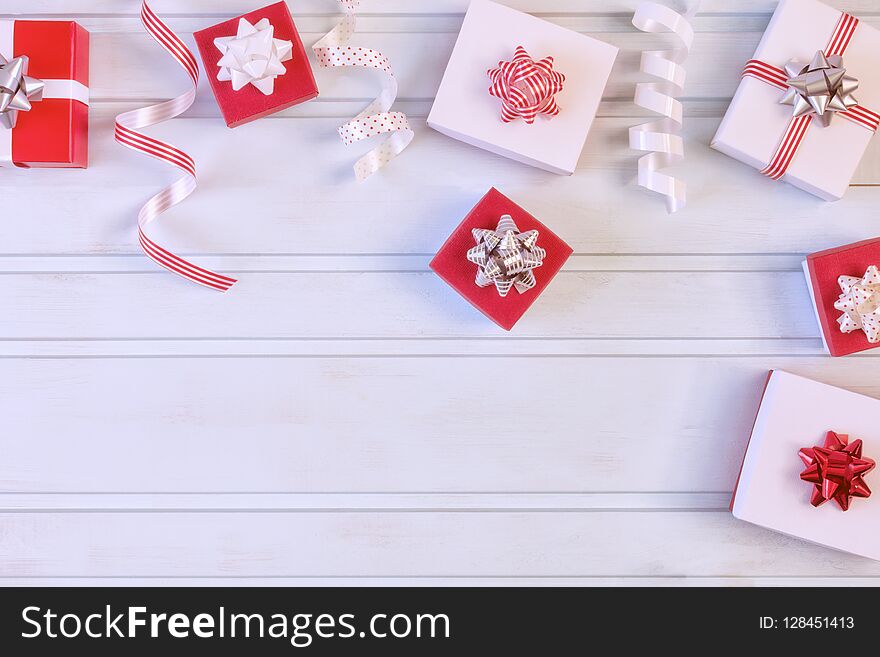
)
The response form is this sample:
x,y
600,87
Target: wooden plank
x,y
243,210
107,264
498,346
300,7
404,305
361,502
394,425
711,544
130,66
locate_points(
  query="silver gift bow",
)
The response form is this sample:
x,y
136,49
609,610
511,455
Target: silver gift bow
x,y
506,257
17,90
821,87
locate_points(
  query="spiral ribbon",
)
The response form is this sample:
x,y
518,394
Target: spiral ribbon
x,y
661,138
333,50
128,125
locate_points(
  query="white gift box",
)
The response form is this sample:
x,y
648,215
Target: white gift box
x,y
464,110
796,413
756,122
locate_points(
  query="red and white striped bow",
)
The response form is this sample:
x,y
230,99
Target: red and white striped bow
x,y
526,88
127,134
799,125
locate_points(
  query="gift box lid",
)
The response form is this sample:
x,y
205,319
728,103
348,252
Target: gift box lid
x,y
295,86
464,110
452,265
795,413
822,271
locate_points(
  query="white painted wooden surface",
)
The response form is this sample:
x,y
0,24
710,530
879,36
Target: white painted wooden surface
x,y
327,420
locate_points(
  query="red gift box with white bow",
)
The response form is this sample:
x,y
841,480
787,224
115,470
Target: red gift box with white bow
x,y
44,94
256,64
844,284
535,255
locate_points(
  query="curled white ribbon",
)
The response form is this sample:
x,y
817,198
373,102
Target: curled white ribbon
x,y
333,50
661,138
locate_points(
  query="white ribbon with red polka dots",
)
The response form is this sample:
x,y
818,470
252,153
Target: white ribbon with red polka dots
x,y
333,50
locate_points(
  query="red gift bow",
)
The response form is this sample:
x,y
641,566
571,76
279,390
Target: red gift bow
x,y
797,128
836,470
526,87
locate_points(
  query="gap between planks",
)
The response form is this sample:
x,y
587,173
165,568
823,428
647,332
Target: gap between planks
x,y
434,581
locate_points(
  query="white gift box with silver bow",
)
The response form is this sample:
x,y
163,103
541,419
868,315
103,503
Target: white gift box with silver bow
x,y
755,122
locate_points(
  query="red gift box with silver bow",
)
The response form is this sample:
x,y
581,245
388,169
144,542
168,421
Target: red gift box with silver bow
x,y
256,64
844,284
504,299
44,95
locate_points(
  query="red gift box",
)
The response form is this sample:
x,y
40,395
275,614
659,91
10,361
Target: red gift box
x,y
248,104
54,133
823,270
452,265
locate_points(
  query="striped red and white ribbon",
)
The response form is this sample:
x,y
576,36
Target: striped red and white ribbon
x,y
334,50
526,87
799,126
127,134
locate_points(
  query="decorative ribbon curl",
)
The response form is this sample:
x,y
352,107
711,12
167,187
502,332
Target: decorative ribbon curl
x,y
836,470
127,126
17,90
662,138
333,50
506,257
525,87
860,304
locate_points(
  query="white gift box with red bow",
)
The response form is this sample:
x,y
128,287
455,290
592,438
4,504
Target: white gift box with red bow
x,y
532,132
757,128
797,413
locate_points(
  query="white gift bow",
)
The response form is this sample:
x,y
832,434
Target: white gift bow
x,y
253,56
860,304
661,137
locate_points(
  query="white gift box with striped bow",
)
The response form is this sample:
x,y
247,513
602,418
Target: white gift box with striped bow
x,y
763,133
538,135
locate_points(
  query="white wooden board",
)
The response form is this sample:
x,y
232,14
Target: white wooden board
x,y
328,421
